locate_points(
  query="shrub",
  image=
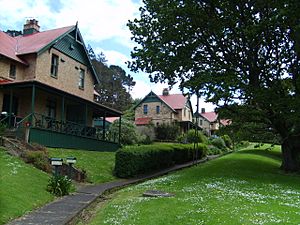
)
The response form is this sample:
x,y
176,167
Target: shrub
x,y
134,160
166,131
219,143
129,134
213,150
228,141
59,185
39,159
196,137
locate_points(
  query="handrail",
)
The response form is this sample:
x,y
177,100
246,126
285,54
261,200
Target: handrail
x,y
22,120
3,119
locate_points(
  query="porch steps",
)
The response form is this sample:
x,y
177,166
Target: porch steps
x,y
10,133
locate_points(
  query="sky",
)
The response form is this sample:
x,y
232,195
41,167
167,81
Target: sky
x,y
102,24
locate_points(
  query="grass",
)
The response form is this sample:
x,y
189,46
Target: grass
x,y
98,165
22,187
245,187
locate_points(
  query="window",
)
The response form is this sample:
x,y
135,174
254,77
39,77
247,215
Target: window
x,y
81,79
12,71
201,123
157,109
145,109
54,66
184,112
51,108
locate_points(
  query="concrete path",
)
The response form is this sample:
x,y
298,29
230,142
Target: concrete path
x,y
64,210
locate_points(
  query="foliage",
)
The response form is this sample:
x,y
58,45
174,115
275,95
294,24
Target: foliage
x,y
98,165
166,131
22,187
114,86
227,140
226,51
135,160
38,158
129,134
196,137
59,185
218,142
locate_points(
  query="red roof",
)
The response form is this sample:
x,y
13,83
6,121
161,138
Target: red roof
x,y
12,47
225,122
210,116
175,101
111,119
143,121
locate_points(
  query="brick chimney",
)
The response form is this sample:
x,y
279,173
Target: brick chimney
x,y
165,91
31,26
202,110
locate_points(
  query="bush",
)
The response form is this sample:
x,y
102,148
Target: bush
x,y
213,150
228,141
39,159
193,137
129,133
167,131
59,185
219,143
133,160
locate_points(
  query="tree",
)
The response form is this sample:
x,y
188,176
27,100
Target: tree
x,y
114,86
243,56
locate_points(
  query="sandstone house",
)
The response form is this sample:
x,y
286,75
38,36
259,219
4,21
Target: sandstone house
x,y
47,88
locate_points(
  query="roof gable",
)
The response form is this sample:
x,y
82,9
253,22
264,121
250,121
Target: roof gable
x,y
209,116
152,97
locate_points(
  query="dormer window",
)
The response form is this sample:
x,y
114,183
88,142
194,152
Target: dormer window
x,y
54,66
12,71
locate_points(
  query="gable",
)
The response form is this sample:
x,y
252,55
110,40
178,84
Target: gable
x,y
72,48
152,97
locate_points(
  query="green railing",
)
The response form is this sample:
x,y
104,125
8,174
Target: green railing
x,y
41,121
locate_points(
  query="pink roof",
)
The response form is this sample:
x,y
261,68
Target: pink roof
x,y
225,122
210,116
175,101
8,47
142,121
12,47
34,42
111,119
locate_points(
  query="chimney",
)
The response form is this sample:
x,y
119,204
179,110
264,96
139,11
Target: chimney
x,y
165,92
31,26
202,110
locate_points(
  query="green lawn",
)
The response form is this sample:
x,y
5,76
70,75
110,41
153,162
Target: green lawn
x,y
245,187
98,165
22,187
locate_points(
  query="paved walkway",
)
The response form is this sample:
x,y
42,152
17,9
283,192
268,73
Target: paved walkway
x,y
64,210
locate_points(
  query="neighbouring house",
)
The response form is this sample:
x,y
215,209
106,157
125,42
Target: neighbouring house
x,y
47,89
209,122
166,108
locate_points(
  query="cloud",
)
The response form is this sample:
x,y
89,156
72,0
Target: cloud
x,y
98,20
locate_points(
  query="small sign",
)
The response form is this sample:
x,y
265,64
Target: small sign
x,y
71,160
56,161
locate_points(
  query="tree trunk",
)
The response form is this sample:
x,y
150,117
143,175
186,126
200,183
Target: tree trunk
x,y
291,154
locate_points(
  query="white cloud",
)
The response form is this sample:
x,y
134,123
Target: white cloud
x,y
98,20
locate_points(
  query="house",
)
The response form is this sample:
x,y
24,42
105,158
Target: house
x,y
47,89
166,108
209,122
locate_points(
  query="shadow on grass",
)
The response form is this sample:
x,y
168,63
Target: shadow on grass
x,y
262,152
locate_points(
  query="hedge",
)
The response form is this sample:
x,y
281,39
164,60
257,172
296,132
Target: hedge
x,y
135,160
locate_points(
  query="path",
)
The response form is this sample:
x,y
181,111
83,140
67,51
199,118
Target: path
x,y
64,210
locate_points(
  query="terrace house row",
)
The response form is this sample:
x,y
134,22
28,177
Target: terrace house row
x,y
47,89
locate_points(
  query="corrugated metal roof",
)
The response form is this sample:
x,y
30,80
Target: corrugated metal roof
x,y
176,101
210,116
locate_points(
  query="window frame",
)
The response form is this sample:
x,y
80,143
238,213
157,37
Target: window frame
x,y
145,109
12,71
81,78
157,109
54,66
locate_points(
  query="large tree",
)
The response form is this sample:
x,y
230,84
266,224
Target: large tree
x,y
242,55
114,86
